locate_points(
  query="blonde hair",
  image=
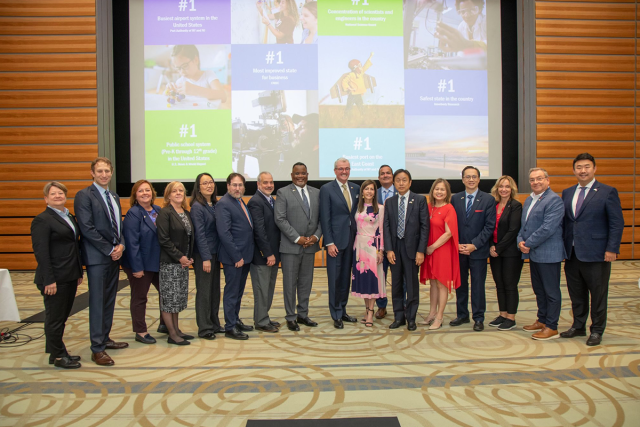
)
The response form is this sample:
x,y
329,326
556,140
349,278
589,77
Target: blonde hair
x,y
447,199
169,189
512,184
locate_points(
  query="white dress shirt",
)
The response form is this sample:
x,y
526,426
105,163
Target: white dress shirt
x,y
306,192
407,197
535,198
348,190
574,202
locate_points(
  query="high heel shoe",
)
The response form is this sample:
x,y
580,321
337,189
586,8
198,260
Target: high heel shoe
x,y
437,324
368,324
428,321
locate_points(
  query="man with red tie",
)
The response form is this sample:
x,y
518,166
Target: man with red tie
x,y
593,226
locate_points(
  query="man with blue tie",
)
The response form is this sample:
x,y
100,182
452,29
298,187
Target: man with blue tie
x,y
99,218
338,202
593,226
540,241
386,190
476,211
235,231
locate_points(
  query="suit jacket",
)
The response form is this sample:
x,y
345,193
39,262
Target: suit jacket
x,y
293,222
508,228
172,236
94,221
335,215
599,225
57,249
265,231
204,222
542,231
234,231
478,228
380,194
416,228
143,249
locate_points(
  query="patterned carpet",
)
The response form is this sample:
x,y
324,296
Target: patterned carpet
x,y
452,376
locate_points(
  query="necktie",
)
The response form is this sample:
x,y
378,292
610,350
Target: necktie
x,y
345,193
469,203
245,212
305,204
401,218
114,224
580,200
271,202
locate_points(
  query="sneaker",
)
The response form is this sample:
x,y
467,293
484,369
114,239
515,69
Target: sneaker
x,y
497,321
507,325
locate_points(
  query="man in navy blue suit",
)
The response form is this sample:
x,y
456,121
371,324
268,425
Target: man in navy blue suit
x,y
593,226
235,231
338,202
476,211
99,218
386,191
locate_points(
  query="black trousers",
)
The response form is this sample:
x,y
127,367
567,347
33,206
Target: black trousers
x,y
56,312
584,278
103,288
339,280
235,280
478,269
405,270
506,273
207,296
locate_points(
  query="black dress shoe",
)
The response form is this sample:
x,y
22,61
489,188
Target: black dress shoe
x,y
594,339
187,337
162,329
74,358
338,324
147,339
478,326
208,336
573,332
267,328
397,323
172,341
276,324
236,334
66,363
292,325
459,321
307,321
244,328
411,325
350,319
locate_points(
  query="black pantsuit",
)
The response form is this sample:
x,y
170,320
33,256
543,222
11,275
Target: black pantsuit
x,y
404,270
207,296
57,308
506,274
584,278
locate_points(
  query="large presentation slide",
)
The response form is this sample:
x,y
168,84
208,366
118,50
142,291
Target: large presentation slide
x,y
223,86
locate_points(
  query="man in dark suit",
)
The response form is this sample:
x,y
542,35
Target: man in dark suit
x,y
406,232
593,226
297,209
266,255
338,202
55,238
100,221
476,211
235,231
385,191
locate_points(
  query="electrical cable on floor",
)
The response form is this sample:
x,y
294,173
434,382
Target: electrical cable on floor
x,y
16,337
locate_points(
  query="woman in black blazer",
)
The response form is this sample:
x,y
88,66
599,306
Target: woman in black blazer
x,y
175,235
55,239
506,261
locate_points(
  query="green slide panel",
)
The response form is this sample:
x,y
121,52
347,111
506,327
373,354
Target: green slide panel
x,y
360,18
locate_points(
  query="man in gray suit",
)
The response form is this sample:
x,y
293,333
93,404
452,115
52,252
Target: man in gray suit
x,y
297,210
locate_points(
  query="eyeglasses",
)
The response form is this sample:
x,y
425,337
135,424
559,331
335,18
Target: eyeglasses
x,y
343,169
470,177
183,66
236,185
538,179
206,184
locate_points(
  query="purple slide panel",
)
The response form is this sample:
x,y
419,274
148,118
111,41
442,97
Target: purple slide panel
x,y
446,93
274,67
172,22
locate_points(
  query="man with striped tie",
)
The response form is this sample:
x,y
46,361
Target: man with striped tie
x,y
385,191
99,217
476,211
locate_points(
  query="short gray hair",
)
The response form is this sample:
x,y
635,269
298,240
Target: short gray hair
x,y
546,174
341,159
264,173
56,184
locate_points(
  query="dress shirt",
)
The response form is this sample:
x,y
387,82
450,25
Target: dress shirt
x,y
535,198
116,208
348,190
386,193
574,202
466,198
306,192
64,215
269,197
406,204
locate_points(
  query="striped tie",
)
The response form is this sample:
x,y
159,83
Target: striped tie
x,y
114,224
469,203
401,218
305,204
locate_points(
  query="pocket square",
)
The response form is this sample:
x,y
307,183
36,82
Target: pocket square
x,y
479,210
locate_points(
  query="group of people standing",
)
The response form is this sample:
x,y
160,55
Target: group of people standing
x,y
366,230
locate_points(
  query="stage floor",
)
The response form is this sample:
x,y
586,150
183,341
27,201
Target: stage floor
x,y
452,376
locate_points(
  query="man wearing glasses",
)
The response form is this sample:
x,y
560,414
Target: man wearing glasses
x,y
338,202
540,241
476,211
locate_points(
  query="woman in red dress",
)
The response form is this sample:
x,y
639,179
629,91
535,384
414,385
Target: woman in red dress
x,y
441,266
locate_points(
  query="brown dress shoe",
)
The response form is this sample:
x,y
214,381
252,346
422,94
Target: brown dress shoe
x,y
112,345
102,358
546,334
537,326
381,313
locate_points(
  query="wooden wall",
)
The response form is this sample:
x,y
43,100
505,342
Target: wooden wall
x,y
586,96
